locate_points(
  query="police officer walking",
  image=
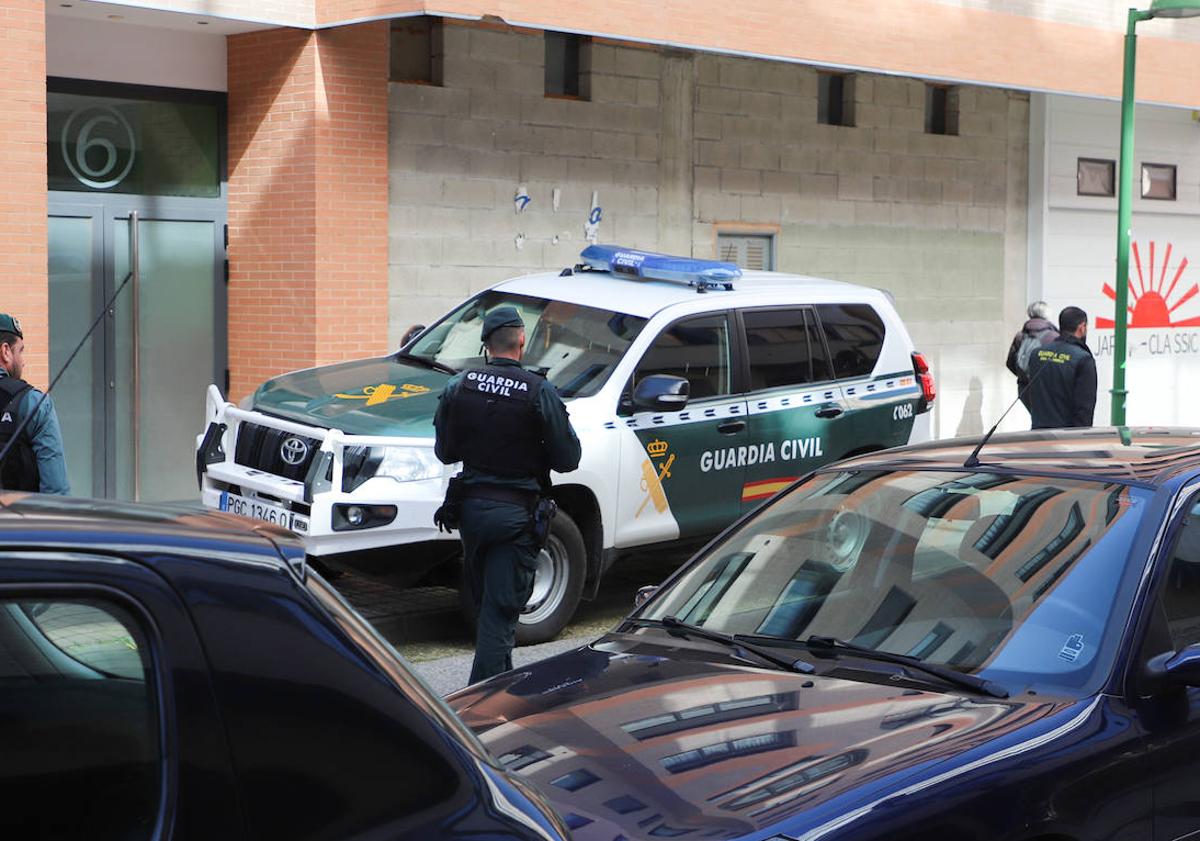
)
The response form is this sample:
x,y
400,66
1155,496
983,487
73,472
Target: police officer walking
x,y
1062,376
509,428
36,462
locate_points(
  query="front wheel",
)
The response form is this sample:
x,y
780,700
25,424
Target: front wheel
x,y
557,585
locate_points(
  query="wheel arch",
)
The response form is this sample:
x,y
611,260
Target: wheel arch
x,y
584,508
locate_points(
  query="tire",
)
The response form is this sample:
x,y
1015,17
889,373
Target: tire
x,y
557,585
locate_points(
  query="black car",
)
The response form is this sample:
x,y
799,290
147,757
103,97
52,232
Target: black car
x,y
923,643
172,674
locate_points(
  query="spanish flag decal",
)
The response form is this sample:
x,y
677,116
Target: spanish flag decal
x,y
765,488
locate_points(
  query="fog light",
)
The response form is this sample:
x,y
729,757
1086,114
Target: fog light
x,y
353,517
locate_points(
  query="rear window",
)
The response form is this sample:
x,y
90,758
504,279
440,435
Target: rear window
x,y
855,335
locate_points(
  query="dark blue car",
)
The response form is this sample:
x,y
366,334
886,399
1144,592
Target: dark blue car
x,y
172,675
899,647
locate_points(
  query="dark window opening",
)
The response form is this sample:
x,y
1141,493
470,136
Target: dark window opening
x,y
416,50
785,349
835,99
567,64
1095,177
1158,182
855,334
941,109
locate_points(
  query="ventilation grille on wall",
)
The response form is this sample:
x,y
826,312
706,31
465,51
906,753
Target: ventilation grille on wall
x,y
755,252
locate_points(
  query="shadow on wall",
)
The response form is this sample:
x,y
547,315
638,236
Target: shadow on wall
x,y
971,422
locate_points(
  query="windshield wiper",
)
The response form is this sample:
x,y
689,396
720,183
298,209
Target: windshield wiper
x,y
955,678
428,363
675,625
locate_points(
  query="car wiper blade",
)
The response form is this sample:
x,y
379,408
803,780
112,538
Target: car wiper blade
x,y
956,678
428,363
675,625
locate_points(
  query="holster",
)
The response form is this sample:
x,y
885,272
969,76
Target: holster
x,y
449,515
543,512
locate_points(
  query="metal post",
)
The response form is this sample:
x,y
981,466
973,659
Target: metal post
x,y
1124,220
135,274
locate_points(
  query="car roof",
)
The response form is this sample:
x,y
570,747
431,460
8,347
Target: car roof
x,y
645,298
42,521
1141,455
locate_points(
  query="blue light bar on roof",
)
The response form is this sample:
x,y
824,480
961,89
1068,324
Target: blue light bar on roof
x,y
702,274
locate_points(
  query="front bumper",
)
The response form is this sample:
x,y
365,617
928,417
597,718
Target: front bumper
x,y
322,489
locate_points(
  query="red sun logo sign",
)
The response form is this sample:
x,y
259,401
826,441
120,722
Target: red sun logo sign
x,y
1150,305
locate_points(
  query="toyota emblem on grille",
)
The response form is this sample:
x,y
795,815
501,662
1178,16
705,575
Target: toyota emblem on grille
x,y
293,450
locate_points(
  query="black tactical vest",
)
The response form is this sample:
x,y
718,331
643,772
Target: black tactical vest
x,y
495,422
19,472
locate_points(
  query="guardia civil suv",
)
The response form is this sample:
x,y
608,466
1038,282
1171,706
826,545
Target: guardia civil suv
x,y
697,391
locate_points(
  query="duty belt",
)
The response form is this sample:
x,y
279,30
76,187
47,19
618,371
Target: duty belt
x,y
496,493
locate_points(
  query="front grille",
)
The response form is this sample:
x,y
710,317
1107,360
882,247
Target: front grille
x,y
262,448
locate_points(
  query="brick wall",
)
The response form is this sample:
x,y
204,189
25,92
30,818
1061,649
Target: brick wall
x,y
678,146
307,199
23,201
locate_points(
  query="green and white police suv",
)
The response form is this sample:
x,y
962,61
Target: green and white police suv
x,y
697,391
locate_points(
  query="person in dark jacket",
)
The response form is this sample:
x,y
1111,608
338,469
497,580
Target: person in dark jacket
x,y
1062,376
36,461
509,428
1037,333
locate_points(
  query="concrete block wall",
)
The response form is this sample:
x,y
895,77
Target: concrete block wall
x,y
678,146
460,152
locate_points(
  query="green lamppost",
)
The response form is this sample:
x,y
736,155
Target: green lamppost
x,y
1158,9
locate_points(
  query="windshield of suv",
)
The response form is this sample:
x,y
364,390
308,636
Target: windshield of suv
x,y
574,347
1012,578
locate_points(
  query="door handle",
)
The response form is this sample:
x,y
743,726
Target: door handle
x,y
731,427
135,292
829,411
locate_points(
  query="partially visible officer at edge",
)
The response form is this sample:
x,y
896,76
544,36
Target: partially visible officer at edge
x,y
509,428
36,462
1062,376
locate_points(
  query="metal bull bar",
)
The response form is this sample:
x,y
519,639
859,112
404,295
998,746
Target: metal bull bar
x,y
220,439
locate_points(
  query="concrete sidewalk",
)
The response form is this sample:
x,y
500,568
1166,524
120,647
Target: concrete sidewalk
x,y
449,674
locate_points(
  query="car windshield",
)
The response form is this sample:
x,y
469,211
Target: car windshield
x,y
1013,578
574,347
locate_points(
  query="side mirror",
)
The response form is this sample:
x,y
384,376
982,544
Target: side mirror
x,y
410,334
661,393
643,594
1183,667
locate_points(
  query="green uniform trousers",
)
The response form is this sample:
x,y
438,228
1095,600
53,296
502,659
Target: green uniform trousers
x,y
499,558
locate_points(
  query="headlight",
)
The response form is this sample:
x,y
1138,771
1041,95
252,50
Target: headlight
x,y
408,464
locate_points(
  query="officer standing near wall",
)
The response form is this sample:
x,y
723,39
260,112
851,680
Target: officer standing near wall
x,y
36,462
1062,376
509,428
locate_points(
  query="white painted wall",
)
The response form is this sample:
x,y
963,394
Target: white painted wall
x,y
114,51
1078,255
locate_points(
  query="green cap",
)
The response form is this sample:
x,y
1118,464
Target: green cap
x,y
8,324
500,317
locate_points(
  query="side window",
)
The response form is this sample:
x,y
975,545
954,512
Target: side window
x,y
784,348
81,748
855,335
1181,592
696,349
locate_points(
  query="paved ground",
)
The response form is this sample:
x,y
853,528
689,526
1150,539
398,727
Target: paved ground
x,y
425,625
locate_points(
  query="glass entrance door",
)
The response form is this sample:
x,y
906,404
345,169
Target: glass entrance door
x,y
132,402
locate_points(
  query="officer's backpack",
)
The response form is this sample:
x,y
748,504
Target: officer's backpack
x,y
1031,342
19,472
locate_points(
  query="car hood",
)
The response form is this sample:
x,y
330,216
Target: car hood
x,y
382,396
643,738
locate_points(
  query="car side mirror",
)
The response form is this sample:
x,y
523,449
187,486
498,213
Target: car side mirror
x,y
1183,667
643,594
661,393
410,334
